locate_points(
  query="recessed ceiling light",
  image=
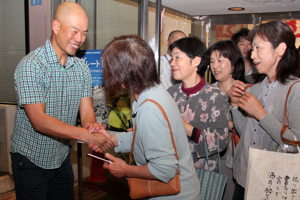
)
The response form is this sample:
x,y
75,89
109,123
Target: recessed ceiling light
x,y
236,9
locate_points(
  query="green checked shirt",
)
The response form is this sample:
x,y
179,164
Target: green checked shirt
x,y
40,78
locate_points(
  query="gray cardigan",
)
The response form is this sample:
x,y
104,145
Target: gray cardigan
x,y
271,123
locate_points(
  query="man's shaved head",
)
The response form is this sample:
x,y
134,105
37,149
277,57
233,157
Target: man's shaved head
x,y
173,36
67,8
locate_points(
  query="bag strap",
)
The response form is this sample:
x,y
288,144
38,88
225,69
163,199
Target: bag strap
x,y
206,154
232,143
285,126
166,117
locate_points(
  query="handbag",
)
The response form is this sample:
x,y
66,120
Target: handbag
x,y
274,175
212,184
231,148
143,188
234,140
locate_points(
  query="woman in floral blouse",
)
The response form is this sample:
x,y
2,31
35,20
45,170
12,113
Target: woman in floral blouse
x,y
202,106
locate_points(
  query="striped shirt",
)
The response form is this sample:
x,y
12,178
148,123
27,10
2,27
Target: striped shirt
x,y
40,78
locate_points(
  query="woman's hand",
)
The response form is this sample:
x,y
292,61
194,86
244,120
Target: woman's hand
x,y
117,167
252,106
236,92
188,128
112,137
230,125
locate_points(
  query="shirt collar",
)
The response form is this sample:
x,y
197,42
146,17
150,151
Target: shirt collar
x,y
270,85
146,94
52,57
168,57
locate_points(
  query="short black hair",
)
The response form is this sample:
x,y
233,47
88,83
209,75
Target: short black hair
x,y
243,32
192,47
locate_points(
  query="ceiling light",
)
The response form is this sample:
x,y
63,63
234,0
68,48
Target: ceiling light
x,y
236,9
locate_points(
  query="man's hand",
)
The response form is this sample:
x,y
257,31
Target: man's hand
x,y
112,138
117,167
100,142
94,126
162,19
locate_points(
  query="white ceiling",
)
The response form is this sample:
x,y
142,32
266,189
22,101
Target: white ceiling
x,y
220,7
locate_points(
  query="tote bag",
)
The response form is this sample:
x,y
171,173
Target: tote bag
x,y
274,175
212,184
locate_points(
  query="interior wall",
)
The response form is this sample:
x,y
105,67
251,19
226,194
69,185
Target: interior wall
x,y
224,32
39,24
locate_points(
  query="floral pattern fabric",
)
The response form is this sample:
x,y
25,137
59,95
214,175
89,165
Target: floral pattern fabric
x,y
205,110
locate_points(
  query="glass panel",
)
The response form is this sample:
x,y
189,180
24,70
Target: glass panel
x,y
12,46
108,19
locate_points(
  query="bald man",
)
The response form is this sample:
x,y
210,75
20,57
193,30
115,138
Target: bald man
x,y
52,85
166,76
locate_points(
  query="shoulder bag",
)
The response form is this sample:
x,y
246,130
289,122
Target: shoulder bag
x,y
143,188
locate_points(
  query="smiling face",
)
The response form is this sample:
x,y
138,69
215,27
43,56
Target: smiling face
x,y
71,33
245,47
220,66
265,57
183,67
69,29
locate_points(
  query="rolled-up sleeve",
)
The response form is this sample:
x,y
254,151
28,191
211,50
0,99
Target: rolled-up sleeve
x,y
29,83
124,140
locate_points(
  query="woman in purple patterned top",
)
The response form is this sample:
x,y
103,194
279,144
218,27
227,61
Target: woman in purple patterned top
x,y
202,106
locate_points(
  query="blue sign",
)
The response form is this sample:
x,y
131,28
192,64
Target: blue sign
x,y
93,59
36,2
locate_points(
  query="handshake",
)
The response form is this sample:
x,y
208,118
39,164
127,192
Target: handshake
x,y
98,138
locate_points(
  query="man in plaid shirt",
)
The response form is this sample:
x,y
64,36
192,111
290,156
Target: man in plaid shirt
x,y
52,85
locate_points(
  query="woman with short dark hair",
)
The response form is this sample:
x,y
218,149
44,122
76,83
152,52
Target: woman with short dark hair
x,y
228,49
202,106
274,54
227,66
128,65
